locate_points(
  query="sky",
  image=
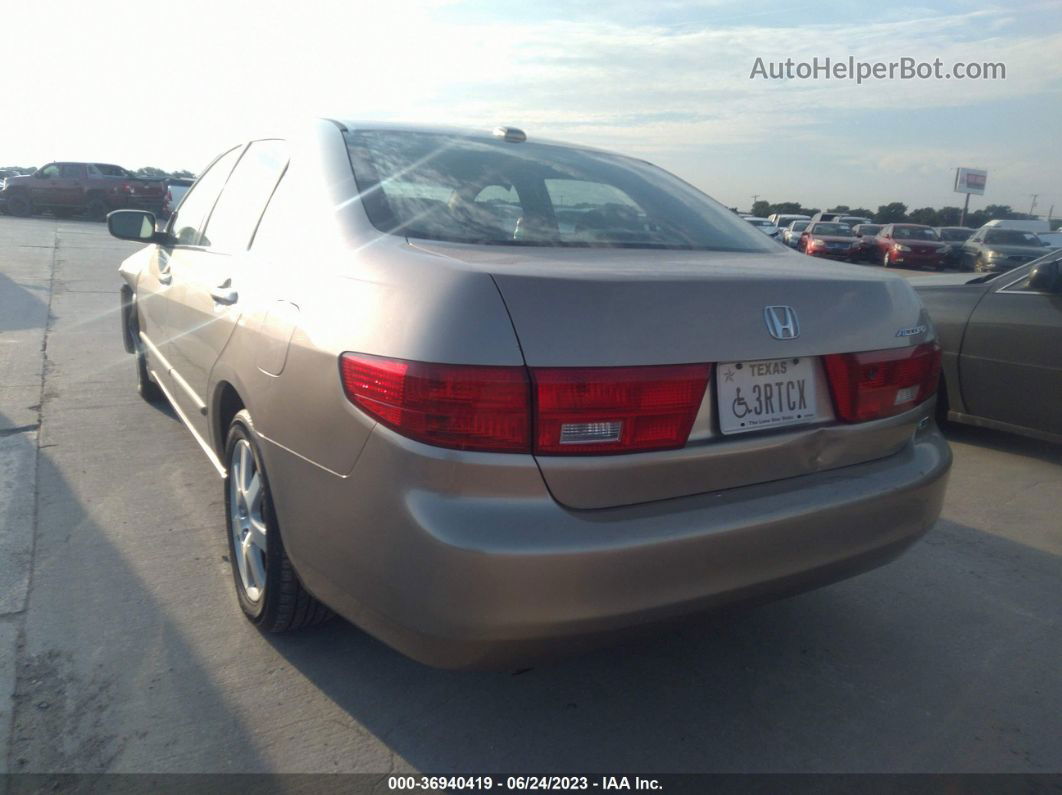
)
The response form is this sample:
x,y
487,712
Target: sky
x,y
667,80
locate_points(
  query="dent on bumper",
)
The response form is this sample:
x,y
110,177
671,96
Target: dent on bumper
x,y
489,571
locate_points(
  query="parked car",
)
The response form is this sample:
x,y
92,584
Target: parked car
x,y
1051,239
1002,361
487,440
911,245
791,234
92,189
954,236
828,239
782,220
177,187
865,247
993,249
1035,225
827,216
763,225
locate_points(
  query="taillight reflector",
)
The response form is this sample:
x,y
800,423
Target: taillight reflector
x,y
615,409
464,407
876,384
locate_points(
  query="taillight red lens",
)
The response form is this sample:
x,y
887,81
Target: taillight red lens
x,y
876,384
616,409
464,407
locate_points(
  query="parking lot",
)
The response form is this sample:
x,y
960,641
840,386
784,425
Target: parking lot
x,y
124,648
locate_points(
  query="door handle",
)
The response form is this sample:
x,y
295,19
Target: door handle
x,y
224,294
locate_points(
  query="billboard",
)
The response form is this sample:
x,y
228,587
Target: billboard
x,y
970,180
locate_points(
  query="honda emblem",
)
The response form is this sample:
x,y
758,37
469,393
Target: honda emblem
x,y
781,322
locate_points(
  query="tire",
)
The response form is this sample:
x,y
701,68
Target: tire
x,y
96,209
943,403
19,205
145,387
267,587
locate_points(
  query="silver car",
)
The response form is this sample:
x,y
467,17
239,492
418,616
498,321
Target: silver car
x,y
492,398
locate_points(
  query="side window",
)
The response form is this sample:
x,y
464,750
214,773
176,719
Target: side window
x,y
245,195
187,225
1046,277
93,171
51,170
70,171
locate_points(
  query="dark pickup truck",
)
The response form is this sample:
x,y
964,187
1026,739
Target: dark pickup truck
x,y
89,189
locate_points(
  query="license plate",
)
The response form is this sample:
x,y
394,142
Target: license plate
x,y
765,394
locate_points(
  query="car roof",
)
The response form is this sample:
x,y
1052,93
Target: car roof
x,y
483,133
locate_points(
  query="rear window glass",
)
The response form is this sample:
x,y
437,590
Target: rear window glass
x,y
914,233
832,229
484,191
1012,237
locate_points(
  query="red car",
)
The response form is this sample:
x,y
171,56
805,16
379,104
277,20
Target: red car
x,y
828,239
912,246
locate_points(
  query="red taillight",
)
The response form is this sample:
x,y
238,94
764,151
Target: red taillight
x,y
464,407
577,411
616,409
875,384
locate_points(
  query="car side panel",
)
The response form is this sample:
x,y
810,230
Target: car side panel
x,y
1011,362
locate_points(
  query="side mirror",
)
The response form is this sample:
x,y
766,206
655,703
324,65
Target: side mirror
x,y
1047,278
135,225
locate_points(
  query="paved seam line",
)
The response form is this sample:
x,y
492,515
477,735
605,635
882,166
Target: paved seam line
x,y
20,643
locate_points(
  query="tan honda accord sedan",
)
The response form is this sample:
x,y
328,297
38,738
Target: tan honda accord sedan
x,y
492,398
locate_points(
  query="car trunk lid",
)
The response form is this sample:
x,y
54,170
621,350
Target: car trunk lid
x,y
591,308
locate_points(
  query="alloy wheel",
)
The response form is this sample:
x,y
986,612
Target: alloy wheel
x,y
246,522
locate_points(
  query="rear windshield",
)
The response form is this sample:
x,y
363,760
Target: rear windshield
x,y
868,229
914,233
474,190
1012,237
832,229
799,226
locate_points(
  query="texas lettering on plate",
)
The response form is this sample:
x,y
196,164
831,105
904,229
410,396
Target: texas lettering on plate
x,y
769,393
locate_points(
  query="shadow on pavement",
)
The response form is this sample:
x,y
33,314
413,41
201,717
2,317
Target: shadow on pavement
x,y
913,667
70,713
1003,442
19,307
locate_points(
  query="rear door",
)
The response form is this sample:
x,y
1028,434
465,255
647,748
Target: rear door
x,y
1011,361
211,279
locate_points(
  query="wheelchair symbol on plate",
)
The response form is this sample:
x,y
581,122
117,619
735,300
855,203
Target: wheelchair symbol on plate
x,y
739,406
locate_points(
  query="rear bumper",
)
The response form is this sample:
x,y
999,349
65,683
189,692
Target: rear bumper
x,y
464,561
934,260
827,254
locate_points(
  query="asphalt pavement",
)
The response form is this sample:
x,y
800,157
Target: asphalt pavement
x,y
122,647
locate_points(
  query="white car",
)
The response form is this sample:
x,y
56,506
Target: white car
x,y
764,225
791,234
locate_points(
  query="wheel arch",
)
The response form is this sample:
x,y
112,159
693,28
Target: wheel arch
x,y
226,404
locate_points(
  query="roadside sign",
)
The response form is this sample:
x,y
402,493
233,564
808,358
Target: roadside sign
x,y
970,180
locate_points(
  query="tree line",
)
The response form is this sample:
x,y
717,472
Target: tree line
x,y
897,212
